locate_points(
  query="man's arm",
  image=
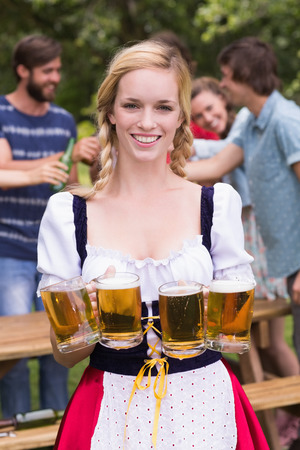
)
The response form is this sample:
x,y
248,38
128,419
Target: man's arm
x,y
86,150
296,169
7,161
216,167
53,173
206,148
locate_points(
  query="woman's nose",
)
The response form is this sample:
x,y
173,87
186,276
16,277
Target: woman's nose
x,y
147,120
208,117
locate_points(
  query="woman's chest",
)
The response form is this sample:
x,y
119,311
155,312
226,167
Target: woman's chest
x,y
144,230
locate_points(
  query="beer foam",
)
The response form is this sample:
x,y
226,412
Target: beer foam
x,y
117,283
179,291
231,286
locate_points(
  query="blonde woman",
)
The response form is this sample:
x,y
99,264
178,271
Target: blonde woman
x,y
143,216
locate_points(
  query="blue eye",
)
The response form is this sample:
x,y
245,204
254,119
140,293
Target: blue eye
x,y
130,106
165,108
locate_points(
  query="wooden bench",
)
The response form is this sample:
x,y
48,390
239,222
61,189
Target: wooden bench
x,y
30,439
265,395
264,311
275,393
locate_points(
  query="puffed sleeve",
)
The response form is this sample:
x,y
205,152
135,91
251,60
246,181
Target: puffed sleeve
x,y
229,256
57,254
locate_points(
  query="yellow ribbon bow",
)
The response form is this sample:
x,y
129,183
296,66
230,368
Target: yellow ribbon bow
x,y
159,393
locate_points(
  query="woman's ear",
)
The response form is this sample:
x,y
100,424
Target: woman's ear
x,y
111,118
180,121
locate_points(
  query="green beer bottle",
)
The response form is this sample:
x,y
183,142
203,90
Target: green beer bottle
x,y
32,419
66,158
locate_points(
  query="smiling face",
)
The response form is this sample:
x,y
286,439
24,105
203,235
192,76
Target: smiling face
x,y
42,81
209,111
239,92
146,113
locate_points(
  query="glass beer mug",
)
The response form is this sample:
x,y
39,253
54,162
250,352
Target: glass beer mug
x,y
181,310
229,315
70,313
120,307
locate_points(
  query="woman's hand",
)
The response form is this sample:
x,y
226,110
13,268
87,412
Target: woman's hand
x,y
69,359
91,289
205,297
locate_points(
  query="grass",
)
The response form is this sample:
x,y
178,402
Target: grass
x,y
74,377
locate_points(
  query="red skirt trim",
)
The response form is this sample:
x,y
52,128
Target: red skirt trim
x,y
80,419
81,415
249,433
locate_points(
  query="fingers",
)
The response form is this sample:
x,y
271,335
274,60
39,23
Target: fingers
x,y
54,173
59,165
91,287
86,150
205,292
91,290
110,271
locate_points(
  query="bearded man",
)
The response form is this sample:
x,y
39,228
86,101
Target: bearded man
x,y
33,131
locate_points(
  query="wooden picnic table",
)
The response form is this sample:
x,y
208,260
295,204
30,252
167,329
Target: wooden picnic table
x,y
23,336
269,309
28,336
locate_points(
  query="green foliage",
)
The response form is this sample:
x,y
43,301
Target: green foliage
x,y
91,30
274,21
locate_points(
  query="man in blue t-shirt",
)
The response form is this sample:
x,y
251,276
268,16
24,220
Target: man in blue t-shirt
x,y
33,131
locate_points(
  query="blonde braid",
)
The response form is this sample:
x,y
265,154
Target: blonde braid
x,y
106,159
183,141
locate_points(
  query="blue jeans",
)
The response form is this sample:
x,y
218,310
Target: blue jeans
x,y
18,284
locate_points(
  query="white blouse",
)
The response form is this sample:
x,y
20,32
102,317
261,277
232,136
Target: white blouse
x,y
58,258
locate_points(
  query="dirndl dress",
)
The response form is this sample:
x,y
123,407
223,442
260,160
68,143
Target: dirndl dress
x,y
137,398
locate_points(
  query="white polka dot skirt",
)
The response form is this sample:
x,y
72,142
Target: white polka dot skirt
x,y
196,413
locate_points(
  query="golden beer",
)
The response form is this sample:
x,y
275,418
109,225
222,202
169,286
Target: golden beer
x,y
229,315
120,306
181,309
70,313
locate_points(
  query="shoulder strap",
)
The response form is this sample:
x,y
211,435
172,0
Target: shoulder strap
x,y
207,209
80,222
